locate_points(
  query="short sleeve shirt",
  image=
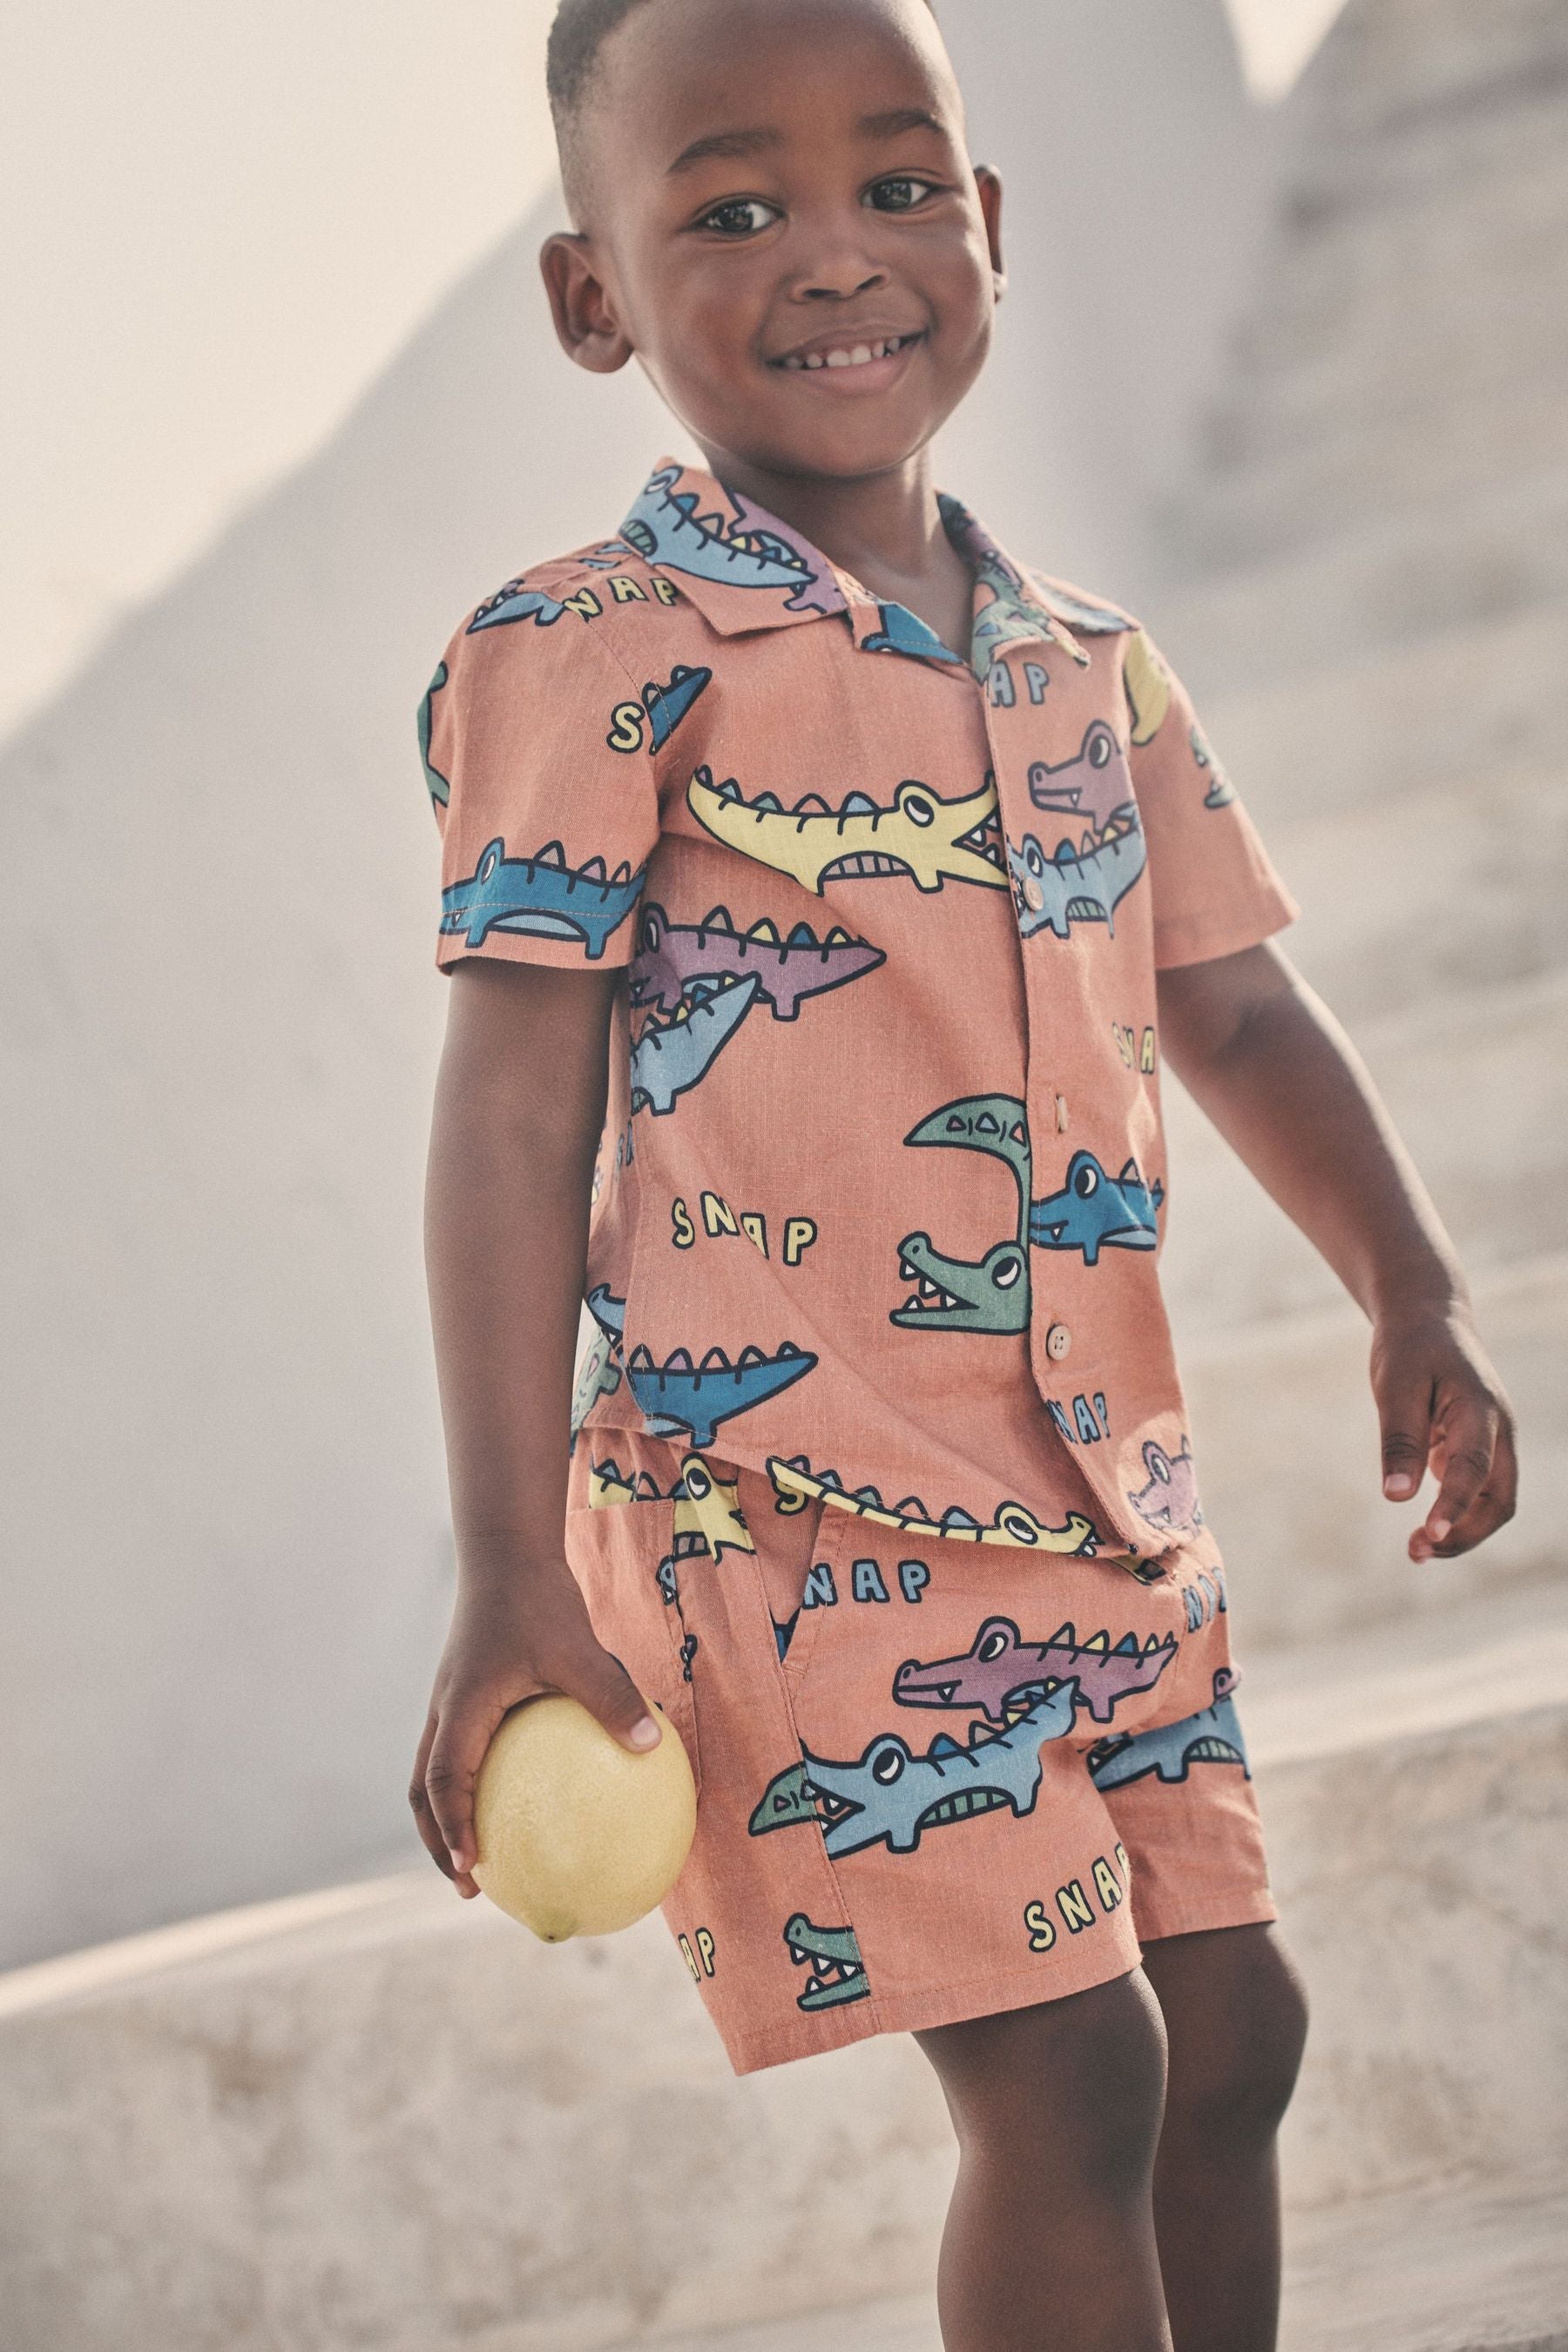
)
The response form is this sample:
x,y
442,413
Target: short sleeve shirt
x,y
880,1198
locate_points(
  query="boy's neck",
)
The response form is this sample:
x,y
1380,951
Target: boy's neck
x,y
886,529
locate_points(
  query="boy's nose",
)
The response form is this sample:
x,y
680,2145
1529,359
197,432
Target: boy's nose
x,y
829,284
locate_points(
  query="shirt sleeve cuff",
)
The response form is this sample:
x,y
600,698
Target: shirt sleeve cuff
x,y
1224,931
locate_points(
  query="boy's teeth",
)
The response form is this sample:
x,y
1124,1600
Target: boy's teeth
x,y
856,356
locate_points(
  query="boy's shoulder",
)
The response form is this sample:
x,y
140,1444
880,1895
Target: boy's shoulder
x,y
585,584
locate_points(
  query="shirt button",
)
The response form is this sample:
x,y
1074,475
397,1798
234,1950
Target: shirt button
x,y
1058,1340
1034,897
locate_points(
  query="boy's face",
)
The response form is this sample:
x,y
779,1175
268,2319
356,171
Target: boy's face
x,y
771,183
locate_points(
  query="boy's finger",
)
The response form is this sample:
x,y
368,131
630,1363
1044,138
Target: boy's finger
x,y
608,1692
430,1837
1405,1414
456,1755
1492,1507
1467,1445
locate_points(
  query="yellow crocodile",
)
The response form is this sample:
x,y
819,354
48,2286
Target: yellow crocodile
x,y
1013,1524
706,1508
922,835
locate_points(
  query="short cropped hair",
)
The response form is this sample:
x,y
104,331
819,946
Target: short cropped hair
x,y
577,33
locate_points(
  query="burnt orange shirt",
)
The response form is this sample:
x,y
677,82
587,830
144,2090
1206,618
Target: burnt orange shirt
x,y
882,1187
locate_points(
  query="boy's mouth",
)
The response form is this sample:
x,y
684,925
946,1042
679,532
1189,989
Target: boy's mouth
x,y
858,360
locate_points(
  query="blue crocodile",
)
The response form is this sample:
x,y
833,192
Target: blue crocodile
x,y
665,527
440,788
1213,1735
671,1056
1094,1212
1075,886
540,893
516,603
679,1397
903,632
891,1794
667,705
607,1311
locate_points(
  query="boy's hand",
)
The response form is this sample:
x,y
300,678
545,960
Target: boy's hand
x,y
1441,1403
507,1645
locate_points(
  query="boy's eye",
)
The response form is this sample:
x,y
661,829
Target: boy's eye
x,y
739,216
900,194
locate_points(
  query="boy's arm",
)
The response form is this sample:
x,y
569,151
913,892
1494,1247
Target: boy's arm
x,y
1269,1065
520,1103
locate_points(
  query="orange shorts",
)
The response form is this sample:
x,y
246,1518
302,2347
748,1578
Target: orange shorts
x,y
936,1779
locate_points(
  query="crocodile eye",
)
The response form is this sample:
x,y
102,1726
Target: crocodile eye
x,y
994,1645
888,1765
487,863
1015,1522
1034,856
699,1486
1099,751
1007,1273
1159,1463
1085,1181
918,809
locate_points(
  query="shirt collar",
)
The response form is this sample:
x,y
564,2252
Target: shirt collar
x,y
745,570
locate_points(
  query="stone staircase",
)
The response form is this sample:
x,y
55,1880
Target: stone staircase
x,y
379,2117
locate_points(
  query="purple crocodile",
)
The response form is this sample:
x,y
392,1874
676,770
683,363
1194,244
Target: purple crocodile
x,y
1001,1674
671,957
1170,1498
1095,784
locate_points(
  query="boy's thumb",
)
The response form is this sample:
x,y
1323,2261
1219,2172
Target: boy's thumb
x,y
608,1693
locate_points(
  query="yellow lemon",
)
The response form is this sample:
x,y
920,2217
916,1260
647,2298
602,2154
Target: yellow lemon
x,y
576,1834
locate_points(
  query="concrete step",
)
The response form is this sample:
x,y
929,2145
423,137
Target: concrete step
x,y
378,2117
1287,1441
1457,2271
1477,1085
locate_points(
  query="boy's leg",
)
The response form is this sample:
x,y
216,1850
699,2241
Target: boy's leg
x,y
1236,2020
1050,2237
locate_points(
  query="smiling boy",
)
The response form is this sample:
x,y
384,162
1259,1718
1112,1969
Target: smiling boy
x,y
824,890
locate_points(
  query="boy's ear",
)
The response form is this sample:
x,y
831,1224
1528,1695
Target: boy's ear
x,y
988,187
586,323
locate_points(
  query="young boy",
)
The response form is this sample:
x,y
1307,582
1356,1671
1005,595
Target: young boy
x,y
822,890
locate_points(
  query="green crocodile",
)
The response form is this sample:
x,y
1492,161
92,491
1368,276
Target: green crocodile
x,y
837,1972
988,1294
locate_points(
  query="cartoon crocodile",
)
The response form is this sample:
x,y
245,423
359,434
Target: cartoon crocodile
x,y
516,602
1095,784
1211,1737
903,632
673,957
1221,791
600,1376
837,1972
1170,1498
710,1507
671,1056
1002,1674
1094,1212
1075,886
890,1794
920,835
667,705
1085,614
1147,682
1013,1524
435,783
665,529
541,895
679,1397
607,1311
992,1293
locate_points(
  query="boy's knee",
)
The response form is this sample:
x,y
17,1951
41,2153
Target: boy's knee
x,y
1071,2091
1236,2089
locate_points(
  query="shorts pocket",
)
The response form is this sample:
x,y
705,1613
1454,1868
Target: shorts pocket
x,y
623,1559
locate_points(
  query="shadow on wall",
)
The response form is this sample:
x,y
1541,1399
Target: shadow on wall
x,y
223,1478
